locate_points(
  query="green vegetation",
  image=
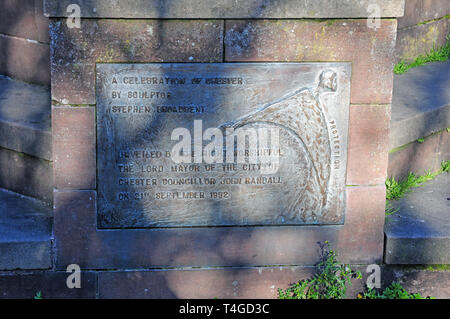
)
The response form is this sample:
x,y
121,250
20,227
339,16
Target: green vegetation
x,y
38,295
438,267
329,282
435,55
434,20
421,140
389,210
396,189
332,279
394,291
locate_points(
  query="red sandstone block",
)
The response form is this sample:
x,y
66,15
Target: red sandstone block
x,y
75,51
248,283
370,51
252,283
230,283
444,147
25,60
74,226
74,152
368,144
359,240
362,239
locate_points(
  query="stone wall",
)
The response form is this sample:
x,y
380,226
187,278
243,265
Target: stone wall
x,y
24,41
221,262
425,25
24,49
257,34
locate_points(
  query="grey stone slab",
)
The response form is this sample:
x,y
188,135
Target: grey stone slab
x,y
420,103
26,175
225,9
419,233
25,123
25,232
141,184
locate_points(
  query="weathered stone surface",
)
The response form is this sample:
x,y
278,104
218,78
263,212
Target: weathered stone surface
x,y
25,232
420,39
25,118
225,9
419,232
52,285
75,51
24,19
359,240
417,11
141,184
420,157
431,283
368,144
74,227
420,103
371,52
74,154
26,174
25,60
248,283
254,283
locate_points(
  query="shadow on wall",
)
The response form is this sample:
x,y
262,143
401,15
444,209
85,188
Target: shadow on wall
x,y
418,96
24,55
24,41
167,283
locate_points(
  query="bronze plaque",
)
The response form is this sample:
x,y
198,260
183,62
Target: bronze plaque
x,y
221,144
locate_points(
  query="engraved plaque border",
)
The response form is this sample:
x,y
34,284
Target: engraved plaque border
x,y
334,105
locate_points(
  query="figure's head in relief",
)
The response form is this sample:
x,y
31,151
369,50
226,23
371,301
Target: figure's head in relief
x,y
328,81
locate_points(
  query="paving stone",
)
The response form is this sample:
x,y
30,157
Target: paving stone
x,y
419,233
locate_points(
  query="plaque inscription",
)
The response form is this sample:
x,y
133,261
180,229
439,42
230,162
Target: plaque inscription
x,y
217,144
